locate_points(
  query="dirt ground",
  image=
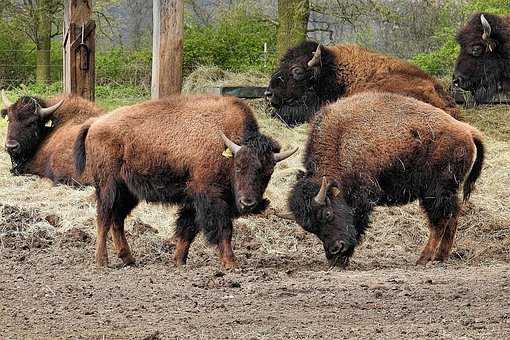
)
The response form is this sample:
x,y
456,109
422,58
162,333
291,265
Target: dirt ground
x,y
50,287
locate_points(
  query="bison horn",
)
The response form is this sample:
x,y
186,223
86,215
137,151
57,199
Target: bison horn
x,y
320,199
231,145
5,101
326,185
486,28
316,59
280,156
47,111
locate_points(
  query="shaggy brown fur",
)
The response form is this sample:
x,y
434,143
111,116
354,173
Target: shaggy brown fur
x,y
297,90
171,151
385,149
483,65
47,151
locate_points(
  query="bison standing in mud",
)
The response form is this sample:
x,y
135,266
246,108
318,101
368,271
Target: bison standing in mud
x,y
41,134
384,149
311,75
173,151
483,65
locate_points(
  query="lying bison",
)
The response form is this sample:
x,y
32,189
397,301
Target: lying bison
x,y
483,65
41,134
311,75
384,149
173,151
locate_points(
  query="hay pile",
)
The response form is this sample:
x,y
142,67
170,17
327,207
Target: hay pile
x,y
394,240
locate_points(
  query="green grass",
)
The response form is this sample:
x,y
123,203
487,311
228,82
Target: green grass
x,y
492,120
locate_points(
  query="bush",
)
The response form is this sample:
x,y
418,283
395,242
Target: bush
x,y
235,43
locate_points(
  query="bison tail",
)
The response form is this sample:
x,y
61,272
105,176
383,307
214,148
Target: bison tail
x,y
476,169
79,153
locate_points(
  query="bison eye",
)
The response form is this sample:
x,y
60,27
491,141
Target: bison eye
x,y
477,51
298,73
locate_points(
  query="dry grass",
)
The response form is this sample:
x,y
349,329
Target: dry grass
x,y
29,207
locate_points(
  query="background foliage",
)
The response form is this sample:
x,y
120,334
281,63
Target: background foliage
x,y
231,35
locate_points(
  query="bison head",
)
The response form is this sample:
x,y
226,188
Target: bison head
x,y
305,79
253,165
26,128
483,65
320,209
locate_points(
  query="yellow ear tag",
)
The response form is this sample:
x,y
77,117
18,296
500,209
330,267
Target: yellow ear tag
x,y
227,153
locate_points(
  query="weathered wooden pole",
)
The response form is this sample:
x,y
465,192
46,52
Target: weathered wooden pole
x,y
79,49
167,47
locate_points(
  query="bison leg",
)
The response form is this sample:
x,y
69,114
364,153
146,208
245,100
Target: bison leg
x,y
124,204
214,216
435,234
442,209
103,226
225,249
185,233
445,247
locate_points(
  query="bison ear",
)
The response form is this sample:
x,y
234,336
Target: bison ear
x,y
316,59
3,113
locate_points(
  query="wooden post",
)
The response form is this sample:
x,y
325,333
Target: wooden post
x,y
167,47
79,49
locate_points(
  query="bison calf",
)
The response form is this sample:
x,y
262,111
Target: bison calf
x,y
384,149
41,134
173,151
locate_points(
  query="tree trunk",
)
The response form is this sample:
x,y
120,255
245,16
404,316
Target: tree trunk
x,y
292,23
43,43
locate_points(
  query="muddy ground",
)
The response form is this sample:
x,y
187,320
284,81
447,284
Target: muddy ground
x,y
50,287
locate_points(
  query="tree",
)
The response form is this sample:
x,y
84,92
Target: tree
x,y
35,18
292,23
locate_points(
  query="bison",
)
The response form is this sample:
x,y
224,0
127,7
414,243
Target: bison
x,y
41,134
382,149
311,75
173,151
483,65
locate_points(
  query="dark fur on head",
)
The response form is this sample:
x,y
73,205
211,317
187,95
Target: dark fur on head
x,y
298,91
331,223
27,128
483,65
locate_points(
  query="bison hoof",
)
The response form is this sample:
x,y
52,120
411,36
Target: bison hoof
x,y
101,262
229,264
128,260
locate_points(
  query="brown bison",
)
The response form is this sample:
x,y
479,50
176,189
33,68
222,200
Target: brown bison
x,y
41,134
483,65
384,149
173,151
311,75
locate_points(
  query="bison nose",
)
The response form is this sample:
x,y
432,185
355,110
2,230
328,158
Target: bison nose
x,y
12,146
268,94
336,248
247,202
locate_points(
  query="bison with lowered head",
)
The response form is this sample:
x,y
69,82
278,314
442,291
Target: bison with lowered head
x,y
384,149
483,65
311,75
41,134
203,153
